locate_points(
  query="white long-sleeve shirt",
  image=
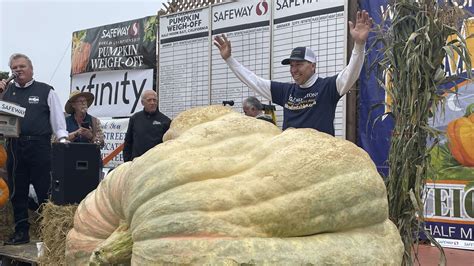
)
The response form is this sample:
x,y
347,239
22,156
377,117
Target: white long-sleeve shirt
x,y
344,81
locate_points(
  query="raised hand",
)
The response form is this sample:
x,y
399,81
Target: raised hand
x,y
223,44
360,31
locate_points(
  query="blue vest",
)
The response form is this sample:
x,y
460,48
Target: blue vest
x,y
71,126
35,99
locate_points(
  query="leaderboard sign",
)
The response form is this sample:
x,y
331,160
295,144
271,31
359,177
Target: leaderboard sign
x,y
192,72
183,61
247,25
115,63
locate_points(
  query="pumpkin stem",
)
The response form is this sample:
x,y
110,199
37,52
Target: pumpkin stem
x,y
469,110
116,249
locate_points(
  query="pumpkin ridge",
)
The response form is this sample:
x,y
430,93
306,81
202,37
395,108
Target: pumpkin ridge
x,y
89,221
104,207
273,251
171,227
268,201
103,210
186,181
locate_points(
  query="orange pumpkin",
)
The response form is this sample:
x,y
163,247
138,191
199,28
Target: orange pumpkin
x,y
461,138
3,156
4,192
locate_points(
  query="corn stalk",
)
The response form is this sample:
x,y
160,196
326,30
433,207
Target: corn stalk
x,y
415,40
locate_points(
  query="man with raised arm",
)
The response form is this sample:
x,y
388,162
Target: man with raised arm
x,y
309,102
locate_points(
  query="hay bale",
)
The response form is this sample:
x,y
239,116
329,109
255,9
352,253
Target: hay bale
x,y
56,221
6,221
7,225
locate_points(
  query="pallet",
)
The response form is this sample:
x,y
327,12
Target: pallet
x,y
26,254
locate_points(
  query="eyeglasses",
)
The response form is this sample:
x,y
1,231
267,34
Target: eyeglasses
x,y
80,101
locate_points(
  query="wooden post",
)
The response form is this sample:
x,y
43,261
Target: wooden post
x,y
352,95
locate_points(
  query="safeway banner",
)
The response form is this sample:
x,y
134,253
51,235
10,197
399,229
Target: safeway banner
x,y
125,45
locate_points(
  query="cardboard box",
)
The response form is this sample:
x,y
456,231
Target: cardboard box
x,y
9,126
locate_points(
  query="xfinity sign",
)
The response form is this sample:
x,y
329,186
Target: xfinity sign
x,y
117,93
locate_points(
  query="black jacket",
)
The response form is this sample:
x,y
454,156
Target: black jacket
x,y
145,131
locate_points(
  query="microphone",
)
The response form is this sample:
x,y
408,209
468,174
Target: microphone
x,y
231,103
10,78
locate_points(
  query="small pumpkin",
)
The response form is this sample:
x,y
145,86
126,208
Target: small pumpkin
x,y
461,138
4,192
3,157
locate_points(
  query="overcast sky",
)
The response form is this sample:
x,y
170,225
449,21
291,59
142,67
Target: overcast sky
x,y
43,31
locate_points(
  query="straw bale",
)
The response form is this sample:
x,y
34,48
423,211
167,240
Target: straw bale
x,y
7,225
56,221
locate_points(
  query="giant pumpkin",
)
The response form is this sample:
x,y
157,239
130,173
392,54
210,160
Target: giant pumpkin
x,y
229,189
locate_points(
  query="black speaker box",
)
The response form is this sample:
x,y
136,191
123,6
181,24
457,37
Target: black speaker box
x,y
75,171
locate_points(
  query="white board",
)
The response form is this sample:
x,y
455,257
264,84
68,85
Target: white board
x,y
262,33
247,25
183,61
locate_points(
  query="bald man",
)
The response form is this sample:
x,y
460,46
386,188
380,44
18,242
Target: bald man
x,y
145,128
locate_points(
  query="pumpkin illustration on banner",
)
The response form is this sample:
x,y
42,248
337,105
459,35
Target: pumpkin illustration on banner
x,y
461,138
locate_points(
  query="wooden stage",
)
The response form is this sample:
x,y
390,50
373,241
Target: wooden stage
x,y
26,254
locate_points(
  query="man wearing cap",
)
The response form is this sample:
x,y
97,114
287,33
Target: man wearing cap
x,y
311,101
29,156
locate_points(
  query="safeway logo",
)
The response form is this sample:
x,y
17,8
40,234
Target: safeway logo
x,y
133,31
262,8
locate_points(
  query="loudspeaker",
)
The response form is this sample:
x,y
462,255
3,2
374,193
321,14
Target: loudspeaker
x,y
75,171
